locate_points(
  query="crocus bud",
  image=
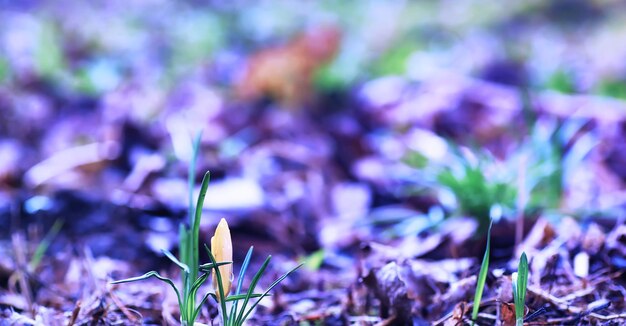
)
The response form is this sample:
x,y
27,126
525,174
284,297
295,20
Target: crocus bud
x,y
222,249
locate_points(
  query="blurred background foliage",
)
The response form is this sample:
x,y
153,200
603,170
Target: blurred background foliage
x,y
569,46
145,57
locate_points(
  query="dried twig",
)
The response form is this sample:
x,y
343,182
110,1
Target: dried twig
x,y
20,273
75,313
121,306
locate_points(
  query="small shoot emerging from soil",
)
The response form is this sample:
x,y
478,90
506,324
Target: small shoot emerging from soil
x,y
314,261
520,281
221,247
194,274
42,247
482,277
191,280
188,262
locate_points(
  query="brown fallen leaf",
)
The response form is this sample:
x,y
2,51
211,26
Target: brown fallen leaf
x,y
593,240
391,290
507,314
539,236
286,72
616,245
460,310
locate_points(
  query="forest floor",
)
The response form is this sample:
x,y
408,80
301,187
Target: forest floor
x,y
384,187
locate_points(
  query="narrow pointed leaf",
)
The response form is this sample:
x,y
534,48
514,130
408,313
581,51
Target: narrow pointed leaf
x,y
255,280
273,285
149,275
240,278
169,255
199,281
197,310
218,275
244,268
45,243
195,227
482,276
208,267
522,282
239,297
191,175
182,244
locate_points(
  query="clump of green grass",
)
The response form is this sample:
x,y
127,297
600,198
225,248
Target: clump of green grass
x,y
482,277
194,275
472,181
520,282
478,186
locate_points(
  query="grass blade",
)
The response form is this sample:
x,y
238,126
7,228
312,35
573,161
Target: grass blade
x,y
195,227
220,287
198,283
192,308
522,282
197,310
482,276
149,275
242,273
183,248
191,174
273,285
255,280
239,297
44,244
175,260
191,255
208,267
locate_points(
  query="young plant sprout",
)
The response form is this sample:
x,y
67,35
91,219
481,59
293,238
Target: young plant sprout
x,y
222,248
482,277
194,274
42,247
520,281
191,280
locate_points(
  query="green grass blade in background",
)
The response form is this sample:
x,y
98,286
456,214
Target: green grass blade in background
x,y
482,276
191,175
44,244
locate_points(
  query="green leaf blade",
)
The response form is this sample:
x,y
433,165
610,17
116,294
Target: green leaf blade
x,y
220,287
240,278
255,280
519,289
272,286
149,275
175,260
482,276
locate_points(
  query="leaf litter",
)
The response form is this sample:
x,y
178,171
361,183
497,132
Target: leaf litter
x,y
343,179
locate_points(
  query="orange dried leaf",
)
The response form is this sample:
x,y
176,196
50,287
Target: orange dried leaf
x,y
286,72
